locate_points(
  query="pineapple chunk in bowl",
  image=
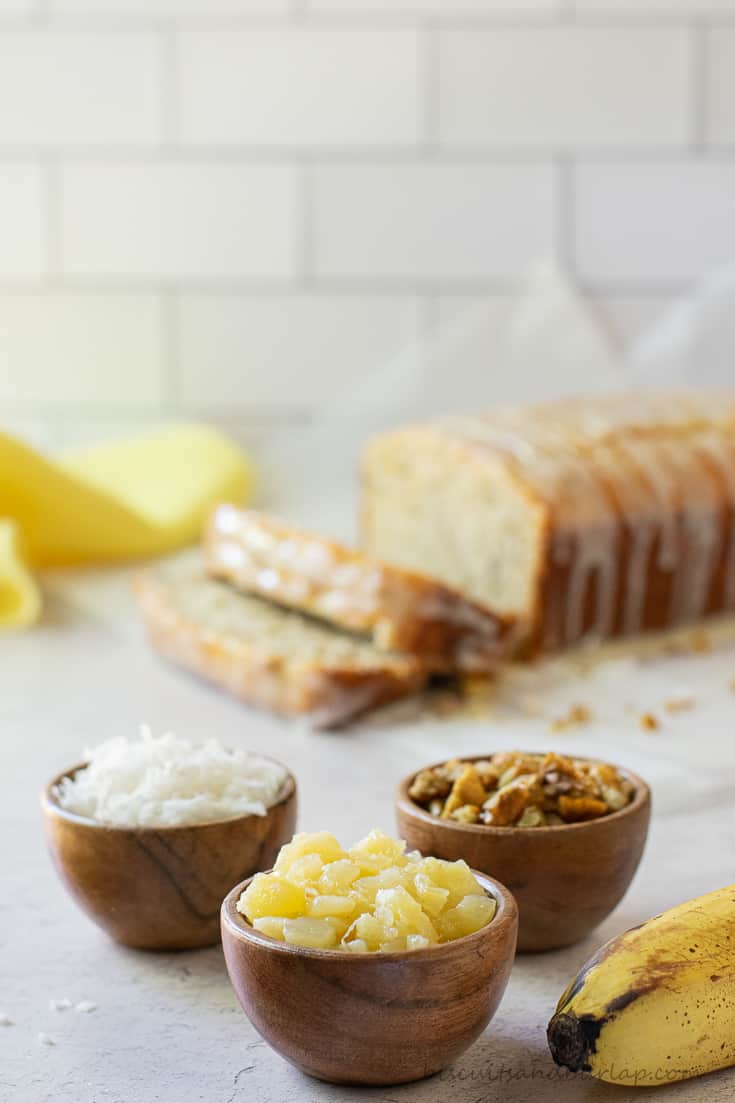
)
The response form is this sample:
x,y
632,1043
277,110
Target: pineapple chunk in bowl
x,y
368,966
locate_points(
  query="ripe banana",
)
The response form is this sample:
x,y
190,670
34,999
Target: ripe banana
x,y
656,1004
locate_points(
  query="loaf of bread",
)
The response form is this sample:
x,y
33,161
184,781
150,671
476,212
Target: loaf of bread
x,y
267,656
585,519
398,609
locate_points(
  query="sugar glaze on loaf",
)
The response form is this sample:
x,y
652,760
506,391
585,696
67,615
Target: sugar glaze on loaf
x,y
621,510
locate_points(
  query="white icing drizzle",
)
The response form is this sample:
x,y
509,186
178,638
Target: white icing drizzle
x,y
720,452
625,462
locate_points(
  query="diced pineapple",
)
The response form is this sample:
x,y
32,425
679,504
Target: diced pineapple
x,y
371,898
431,897
469,915
332,905
357,946
321,843
269,894
338,923
367,888
338,876
416,942
305,931
305,870
456,877
372,931
272,925
397,908
378,851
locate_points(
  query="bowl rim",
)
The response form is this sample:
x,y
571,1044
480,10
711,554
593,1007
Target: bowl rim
x,y
50,805
641,798
238,926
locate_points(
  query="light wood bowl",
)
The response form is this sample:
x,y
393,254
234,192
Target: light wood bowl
x,y
566,879
371,1018
160,888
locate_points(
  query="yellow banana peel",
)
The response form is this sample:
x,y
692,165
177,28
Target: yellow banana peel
x,y
657,1004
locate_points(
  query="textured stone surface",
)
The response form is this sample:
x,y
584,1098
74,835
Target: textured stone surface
x,y
167,1026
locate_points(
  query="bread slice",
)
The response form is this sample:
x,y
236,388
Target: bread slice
x,y
400,610
586,519
265,655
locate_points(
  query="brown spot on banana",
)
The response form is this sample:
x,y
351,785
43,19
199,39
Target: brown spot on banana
x,y
573,1040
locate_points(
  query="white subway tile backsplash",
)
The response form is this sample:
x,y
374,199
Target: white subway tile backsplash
x,y
563,86
16,7
286,351
22,225
78,88
314,87
664,222
720,125
178,220
80,349
423,221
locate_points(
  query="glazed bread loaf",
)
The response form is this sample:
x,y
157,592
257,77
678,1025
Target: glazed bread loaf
x,y
400,610
267,656
585,518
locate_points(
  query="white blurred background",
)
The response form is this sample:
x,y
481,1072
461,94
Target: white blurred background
x,y
238,208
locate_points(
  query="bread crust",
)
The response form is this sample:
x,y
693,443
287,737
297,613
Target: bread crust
x,y
638,498
325,694
401,610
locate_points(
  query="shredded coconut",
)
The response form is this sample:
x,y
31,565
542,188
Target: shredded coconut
x,y
59,1005
165,781
5,1020
46,1040
84,1007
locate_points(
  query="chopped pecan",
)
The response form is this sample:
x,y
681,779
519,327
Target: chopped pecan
x,y
467,789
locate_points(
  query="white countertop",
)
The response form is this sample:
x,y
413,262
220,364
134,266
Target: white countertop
x,y
167,1026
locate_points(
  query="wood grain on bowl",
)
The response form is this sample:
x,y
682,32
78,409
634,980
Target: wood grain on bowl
x,y
566,879
161,888
371,1018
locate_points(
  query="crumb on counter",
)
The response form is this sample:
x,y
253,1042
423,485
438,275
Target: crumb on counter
x,y
649,722
575,717
679,704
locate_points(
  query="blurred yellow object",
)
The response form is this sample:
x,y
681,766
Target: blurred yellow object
x,y
114,502
20,598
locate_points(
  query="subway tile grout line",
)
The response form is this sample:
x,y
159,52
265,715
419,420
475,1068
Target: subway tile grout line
x,y
294,156
335,287
488,153
297,14
259,416
700,63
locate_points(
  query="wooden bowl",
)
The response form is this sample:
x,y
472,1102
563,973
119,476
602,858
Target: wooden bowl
x,y
371,1018
160,888
566,879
